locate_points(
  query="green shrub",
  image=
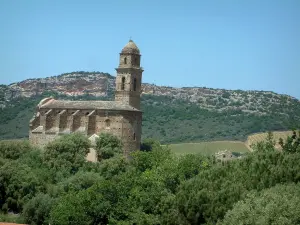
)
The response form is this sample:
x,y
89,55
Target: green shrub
x,y
14,149
277,205
107,146
37,210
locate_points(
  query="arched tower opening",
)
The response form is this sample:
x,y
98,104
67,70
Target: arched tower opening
x,y
107,123
123,84
134,84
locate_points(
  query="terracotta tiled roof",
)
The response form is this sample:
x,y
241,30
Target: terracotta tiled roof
x,y
61,104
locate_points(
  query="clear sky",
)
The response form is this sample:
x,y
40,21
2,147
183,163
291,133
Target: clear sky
x,y
232,44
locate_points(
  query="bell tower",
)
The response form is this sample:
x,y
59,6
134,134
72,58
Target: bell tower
x,y
129,76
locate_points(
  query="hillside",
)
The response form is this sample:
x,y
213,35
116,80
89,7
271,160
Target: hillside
x,y
171,115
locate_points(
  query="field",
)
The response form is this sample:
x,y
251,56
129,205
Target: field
x,y
208,148
254,138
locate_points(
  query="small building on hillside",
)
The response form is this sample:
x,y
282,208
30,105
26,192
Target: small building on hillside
x,y
121,117
224,155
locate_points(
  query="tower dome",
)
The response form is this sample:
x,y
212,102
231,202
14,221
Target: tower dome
x,y
131,48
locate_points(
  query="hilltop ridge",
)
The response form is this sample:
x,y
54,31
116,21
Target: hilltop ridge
x,y
100,84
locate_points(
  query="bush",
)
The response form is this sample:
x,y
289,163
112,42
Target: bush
x,y
18,184
11,218
107,146
148,144
36,211
277,205
208,196
67,153
71,209
80,181
13,149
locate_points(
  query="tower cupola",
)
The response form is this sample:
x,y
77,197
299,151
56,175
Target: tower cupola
x,y
130,48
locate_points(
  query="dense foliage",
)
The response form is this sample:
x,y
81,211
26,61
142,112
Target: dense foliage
x,y
107,146
170,120
67,153
155,186
277,205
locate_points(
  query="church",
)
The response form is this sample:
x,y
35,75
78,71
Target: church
x,y
121,117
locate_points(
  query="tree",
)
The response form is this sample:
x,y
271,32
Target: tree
x,y
67,153
292,143
37,210
147,160
265,146
104,201
71,209
18,184
149,144
14,149
277,205
113,166
80,181
107,146
209,195
191,164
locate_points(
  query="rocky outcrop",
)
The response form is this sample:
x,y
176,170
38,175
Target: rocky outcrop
x,y
102,84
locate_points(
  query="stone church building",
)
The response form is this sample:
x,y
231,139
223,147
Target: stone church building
x,y
121,117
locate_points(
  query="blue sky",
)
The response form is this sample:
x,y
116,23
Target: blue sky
x,y
232,44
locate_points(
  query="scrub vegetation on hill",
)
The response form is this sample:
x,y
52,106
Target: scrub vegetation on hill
x,y
58,186
167,119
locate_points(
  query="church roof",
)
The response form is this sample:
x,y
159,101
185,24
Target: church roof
x,y
130,48
62,104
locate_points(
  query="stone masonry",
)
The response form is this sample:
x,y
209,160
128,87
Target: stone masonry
x,y
121,117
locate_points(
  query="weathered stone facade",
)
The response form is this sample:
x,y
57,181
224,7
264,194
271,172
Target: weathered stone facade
x,y
121,117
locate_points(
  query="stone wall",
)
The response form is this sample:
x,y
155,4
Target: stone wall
x,y
129,60
41,139
52,123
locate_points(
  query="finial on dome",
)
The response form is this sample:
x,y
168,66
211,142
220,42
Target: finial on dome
x,y
130,39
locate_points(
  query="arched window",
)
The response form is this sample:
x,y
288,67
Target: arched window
x,y
125,60
123,83
107,123
134,84
133,136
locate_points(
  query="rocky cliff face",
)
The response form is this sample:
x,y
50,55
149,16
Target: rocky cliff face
x,y
101,84
71,84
